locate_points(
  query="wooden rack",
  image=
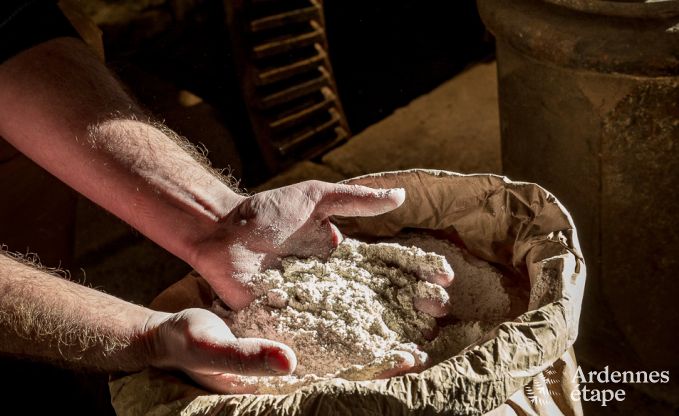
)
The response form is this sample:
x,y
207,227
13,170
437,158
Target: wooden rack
x,y
287,81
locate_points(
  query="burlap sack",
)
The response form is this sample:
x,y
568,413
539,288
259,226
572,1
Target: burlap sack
x,y
523,367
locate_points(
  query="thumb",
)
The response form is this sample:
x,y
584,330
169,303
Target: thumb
x,y
247,356
358,201
216,350
198,341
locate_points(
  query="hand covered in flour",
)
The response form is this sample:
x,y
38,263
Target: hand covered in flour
x,y
201,345
293,220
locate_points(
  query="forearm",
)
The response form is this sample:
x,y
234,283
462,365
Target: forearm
x,y
47,317
61,107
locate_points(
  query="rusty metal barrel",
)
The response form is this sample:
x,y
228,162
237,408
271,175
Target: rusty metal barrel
x,y
589,108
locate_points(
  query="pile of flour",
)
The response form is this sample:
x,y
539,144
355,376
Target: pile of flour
x,y
479,300
352,309
352,316
478,292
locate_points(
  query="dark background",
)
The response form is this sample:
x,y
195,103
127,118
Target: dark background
x,y
384,54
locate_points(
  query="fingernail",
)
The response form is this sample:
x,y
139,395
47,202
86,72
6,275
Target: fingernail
x,y
336,235
444,278
277,361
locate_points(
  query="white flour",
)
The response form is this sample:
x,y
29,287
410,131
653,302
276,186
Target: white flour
x,y
353,316
477,292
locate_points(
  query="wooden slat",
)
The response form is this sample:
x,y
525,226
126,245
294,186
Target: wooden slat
x,y
282,19
271,75
299,117
288,144
325,93
296,91
286,43
340,135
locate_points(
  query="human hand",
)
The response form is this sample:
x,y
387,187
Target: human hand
x,y
433,271
200,344
293,220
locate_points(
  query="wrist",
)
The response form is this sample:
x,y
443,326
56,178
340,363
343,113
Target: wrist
x,y
226,200
153,339
203,228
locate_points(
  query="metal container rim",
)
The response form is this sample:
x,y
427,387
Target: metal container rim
x,y
630,9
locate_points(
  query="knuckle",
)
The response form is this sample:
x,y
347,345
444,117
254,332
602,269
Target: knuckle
x,y
315,191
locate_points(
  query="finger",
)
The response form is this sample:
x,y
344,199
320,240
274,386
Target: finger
x,y
337,236
442,276
328,238
316,240
403,363
358,201
244,356
422,361
428,267
226,383
432,307
443,279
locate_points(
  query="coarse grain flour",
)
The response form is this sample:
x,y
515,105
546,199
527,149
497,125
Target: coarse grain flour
x,y
353,316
